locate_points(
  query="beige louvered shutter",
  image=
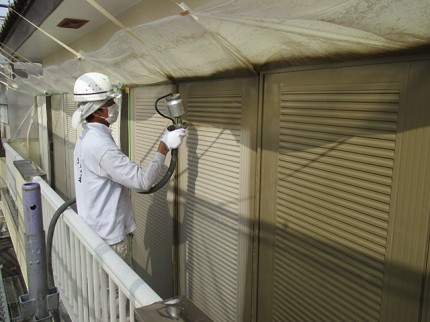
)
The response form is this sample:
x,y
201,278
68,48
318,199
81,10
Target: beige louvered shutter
x,y
217,180
71,137
333,236
44,144
59,144
153,238
116,127
64,140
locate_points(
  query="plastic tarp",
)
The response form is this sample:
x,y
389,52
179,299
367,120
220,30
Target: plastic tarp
x,y
244,37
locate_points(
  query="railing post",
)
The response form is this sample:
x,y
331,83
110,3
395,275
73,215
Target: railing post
x,y
37,301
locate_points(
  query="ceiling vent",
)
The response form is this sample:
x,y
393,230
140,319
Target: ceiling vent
x,y
72,23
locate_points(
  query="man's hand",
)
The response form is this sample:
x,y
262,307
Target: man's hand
x,y
173,139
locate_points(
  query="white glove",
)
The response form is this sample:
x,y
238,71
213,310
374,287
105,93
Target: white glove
x,y
173,139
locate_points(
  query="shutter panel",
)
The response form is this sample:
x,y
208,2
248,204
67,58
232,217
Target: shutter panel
x,y
59,146
43,136
217,182
71,138
333,241
116,128
153,238
64,139
333,201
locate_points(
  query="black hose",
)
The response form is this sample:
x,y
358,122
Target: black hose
x,y
158,111
49,240
174,154
166,178
50,237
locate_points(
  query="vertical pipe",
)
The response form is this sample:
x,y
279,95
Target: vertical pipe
x,y
35,248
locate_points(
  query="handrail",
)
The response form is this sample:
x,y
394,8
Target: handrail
x,y
130,283
94,282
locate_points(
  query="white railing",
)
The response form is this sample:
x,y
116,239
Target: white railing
x,y
95,283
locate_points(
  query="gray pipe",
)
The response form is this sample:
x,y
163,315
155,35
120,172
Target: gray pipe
x,y
35,249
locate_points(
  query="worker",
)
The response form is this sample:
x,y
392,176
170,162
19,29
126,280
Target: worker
x,y
103,174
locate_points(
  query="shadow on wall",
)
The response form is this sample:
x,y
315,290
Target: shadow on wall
x,y
212,230
157,242
320,270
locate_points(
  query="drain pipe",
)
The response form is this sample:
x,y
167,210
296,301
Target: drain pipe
x,y
40,300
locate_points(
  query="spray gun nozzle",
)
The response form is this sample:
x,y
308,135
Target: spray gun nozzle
x,y
179,125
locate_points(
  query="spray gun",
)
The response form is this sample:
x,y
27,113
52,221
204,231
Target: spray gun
x,y
176,110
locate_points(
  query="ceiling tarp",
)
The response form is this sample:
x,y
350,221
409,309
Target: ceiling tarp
x,y
243,37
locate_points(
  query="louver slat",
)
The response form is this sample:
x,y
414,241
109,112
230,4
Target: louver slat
x,y
335,167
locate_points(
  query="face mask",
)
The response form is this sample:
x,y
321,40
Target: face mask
x,y
113,112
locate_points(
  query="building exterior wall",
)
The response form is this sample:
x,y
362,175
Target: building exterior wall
x,y
325,218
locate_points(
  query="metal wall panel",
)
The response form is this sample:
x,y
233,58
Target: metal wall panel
x,y
44,143
116,127
153,238
217,181
343,248
64,138
406,282
329,218
59,144
71,136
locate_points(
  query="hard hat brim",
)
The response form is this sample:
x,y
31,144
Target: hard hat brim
x,y
96,97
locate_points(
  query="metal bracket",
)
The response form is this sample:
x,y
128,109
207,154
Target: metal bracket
x,y
27,305
53,298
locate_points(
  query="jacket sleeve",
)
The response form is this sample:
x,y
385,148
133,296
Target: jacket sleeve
x,y
116,166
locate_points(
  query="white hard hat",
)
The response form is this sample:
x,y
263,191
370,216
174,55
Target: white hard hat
x,y
93,87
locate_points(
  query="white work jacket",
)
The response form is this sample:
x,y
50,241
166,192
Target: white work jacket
x,y
103,175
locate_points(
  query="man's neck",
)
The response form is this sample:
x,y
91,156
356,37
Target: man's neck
x,y
99,120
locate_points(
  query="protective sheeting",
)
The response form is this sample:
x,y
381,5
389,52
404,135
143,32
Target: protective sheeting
x,y
20,93
243,37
